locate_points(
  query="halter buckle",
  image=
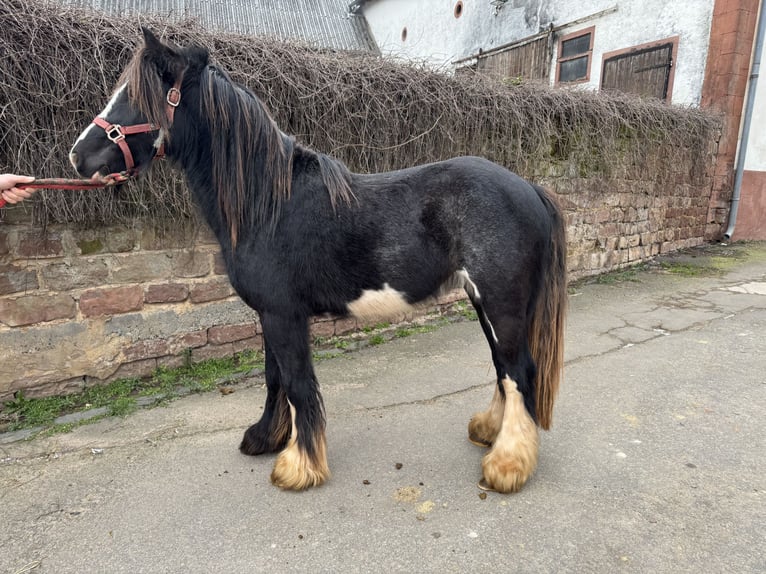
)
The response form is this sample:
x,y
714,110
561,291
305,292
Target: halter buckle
x,y
174,97
114,133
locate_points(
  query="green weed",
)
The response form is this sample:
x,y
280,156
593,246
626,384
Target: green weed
x,y
689,269
377,339
119,396
624,276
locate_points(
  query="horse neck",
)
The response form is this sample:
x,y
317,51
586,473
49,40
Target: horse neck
x,y
190,150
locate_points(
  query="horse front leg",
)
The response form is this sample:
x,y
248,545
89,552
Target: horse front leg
x,y
270,434
303,462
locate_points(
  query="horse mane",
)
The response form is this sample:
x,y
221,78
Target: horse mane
x,y
251,158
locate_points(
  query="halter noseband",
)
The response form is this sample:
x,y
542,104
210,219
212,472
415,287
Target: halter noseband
x,y
117,133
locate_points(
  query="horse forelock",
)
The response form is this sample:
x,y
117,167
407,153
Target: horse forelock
x,y
145,91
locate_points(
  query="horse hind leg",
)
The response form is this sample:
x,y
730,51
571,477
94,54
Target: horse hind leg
x,y
507,425
513,457
484,426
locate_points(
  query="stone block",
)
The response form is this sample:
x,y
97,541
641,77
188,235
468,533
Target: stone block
x,y
148,348
345,325
77,274
161,238
140,267
111,301
221,334
219,266
323,329
250,344
190,340
212,352
451,297
210,291
15,279
166,293
33,309
34,244
191,263
134,370
171,361
114,239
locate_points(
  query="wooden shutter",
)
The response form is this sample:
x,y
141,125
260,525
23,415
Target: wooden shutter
x,y
530,61
644,71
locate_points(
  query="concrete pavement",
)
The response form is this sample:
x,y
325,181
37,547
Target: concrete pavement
x,y
656,462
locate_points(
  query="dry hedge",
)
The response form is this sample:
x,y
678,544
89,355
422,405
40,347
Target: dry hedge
x,y
60,65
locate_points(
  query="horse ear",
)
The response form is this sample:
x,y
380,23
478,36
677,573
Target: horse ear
x,y
152,43
165,58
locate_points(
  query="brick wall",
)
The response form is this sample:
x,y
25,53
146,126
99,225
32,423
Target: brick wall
x,y
82,306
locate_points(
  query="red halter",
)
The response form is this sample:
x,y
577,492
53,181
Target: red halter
x,y
116,133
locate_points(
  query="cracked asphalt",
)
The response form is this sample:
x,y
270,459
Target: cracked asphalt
x,y
655,463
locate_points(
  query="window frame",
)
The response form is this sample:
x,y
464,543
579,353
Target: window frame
x,y
589,53
674,40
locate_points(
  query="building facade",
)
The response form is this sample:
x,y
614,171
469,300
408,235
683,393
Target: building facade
x,y
698,53
587,43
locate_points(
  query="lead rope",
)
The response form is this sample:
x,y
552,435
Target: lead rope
x,y
74,184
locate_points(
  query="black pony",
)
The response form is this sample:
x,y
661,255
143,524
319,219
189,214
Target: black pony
x,y
301,236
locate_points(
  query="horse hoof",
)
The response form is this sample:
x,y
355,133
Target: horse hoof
x,y
478,441
252,446
503,477
296,470
508,469
255,442
483,429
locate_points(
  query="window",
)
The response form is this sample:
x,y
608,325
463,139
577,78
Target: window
x,y
574,57
646,70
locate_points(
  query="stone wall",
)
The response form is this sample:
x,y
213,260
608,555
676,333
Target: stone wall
x,y
82,306
627,222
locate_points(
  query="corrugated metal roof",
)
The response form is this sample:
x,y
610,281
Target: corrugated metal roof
x,y
321,23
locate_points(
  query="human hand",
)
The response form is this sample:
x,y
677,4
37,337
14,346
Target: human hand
x,y
8,190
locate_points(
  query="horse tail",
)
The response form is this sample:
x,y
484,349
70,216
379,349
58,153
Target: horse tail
x,y
546,332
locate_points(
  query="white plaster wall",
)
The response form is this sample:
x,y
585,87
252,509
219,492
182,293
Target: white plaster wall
x,y
431,29
435,36
755,160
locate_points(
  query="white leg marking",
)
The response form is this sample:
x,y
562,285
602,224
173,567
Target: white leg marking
x,y
491,328
294,469
469,285
379,304
294,432
473,292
